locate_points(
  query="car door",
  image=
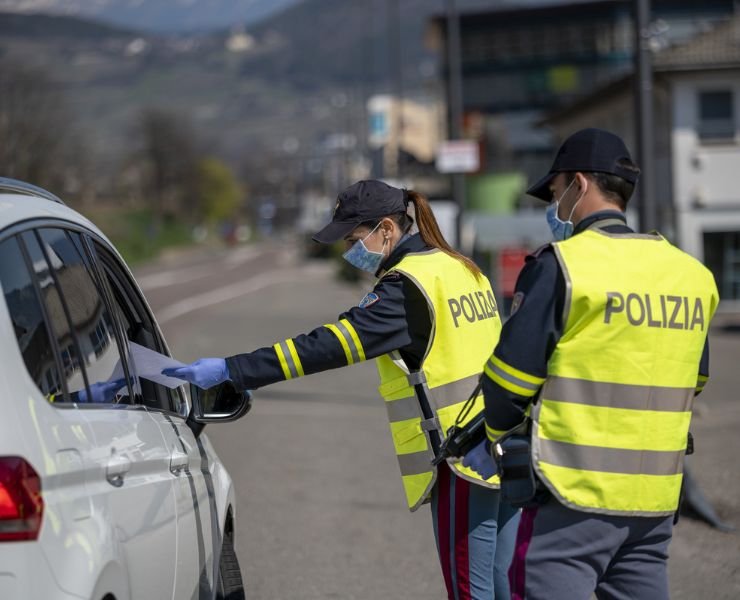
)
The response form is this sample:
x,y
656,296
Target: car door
x,y
58,439
197,521
131,486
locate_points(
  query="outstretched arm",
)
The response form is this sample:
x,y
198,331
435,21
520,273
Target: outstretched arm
x,y
377,327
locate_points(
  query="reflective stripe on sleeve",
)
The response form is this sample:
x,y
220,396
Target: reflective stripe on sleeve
x,y
296,358
511,379
355,338
349,340
342,341
289,360
493,434
701,381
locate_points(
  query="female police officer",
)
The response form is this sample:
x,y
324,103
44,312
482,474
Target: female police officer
x,y
431,322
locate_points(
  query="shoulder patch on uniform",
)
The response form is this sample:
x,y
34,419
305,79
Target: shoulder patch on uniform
x,y
516,303
369,300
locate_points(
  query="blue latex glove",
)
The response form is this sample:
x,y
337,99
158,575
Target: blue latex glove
x,y
204,372
101,392
481,461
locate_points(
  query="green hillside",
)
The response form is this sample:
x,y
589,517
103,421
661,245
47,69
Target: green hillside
x,y
281,83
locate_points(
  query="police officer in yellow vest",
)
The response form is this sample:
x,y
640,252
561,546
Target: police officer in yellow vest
x,y
431,321
603,354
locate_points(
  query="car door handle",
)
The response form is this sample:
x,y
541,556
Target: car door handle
x,y
178,461
118,466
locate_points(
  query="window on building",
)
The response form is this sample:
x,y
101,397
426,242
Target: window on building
x,y
722,257
716,115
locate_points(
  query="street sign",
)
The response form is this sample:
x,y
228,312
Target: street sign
x,y
458,156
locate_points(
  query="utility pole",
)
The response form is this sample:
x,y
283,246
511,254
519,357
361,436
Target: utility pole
x,y
649,217
455,102
396,70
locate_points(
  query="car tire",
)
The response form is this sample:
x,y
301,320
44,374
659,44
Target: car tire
x,y
230,584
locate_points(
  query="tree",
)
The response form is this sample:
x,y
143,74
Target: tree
x,y
38,143
168,150
219,193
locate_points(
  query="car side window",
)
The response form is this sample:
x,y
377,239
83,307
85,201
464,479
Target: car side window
x,y
72,373
81,320
138,327
26,314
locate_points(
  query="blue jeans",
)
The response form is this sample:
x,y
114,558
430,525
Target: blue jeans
x,y
475,533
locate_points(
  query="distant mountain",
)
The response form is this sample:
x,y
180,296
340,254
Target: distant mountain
x,y
302,74
179,16
164,16
40,26
351,42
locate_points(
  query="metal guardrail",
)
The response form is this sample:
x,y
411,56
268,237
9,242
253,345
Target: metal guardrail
x,y
21,187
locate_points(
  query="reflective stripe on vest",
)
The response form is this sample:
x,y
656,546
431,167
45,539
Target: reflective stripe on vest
x,y
610,424
465,328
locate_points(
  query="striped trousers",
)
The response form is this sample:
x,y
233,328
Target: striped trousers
x,y
475,533
566,554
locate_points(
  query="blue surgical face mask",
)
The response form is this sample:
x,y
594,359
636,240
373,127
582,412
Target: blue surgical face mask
x,y
561,230
362,258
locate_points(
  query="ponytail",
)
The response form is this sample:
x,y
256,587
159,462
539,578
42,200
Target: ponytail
x,y
430,233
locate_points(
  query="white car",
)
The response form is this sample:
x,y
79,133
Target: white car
x,y
109,490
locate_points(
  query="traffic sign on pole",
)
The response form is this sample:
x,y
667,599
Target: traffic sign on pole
x,y
458,156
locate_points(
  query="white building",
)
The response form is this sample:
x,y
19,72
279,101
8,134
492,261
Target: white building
x,y
697,145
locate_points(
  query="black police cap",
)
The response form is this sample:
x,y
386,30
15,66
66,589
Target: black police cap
x,y
363,201
589,150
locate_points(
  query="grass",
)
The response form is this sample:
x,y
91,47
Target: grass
x,y
137,235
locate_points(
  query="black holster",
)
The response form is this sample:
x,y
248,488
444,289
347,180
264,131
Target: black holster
x,y
520,485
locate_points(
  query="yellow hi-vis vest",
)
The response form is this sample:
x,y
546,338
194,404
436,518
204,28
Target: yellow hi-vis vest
x,y
610,427
465,329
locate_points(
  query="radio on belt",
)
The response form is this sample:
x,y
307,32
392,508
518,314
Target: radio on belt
x,y
461,440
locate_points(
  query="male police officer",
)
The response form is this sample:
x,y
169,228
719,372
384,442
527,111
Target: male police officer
x,y
603,349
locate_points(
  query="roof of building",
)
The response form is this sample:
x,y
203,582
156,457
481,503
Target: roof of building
x,y
717,48
529,9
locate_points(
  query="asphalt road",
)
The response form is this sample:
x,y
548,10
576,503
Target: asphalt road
x,y
321,510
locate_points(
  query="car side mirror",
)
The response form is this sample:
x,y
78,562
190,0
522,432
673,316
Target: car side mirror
x,y
219,404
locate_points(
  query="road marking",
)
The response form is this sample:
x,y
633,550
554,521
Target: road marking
x,y
155,281
298,408
230,292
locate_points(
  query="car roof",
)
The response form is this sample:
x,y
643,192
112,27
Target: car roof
x,y
16,208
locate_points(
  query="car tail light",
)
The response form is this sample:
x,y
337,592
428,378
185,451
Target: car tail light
x,y
21,504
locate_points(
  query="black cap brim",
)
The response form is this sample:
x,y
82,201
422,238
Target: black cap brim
x,y
334,232
541,189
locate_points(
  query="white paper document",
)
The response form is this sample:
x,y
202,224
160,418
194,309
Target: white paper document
x,y
149,364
